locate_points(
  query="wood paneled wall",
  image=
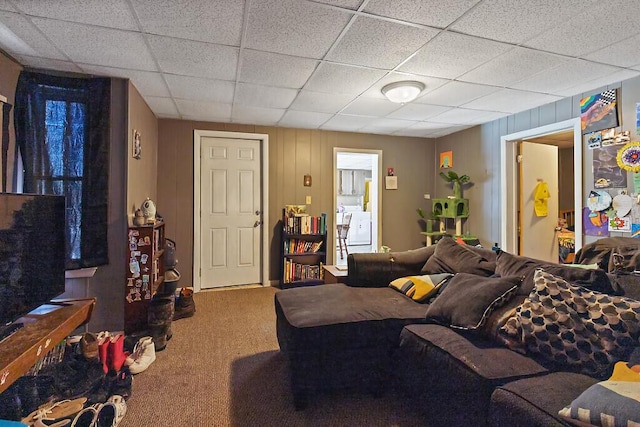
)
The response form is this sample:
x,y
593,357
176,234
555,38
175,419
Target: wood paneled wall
x,y
292,154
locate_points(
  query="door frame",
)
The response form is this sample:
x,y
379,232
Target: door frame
x,y
374,179
264,199
508,180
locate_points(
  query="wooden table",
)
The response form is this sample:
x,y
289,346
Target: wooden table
x,y
334,275
43,329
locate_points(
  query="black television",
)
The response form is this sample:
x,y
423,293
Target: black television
x,y
32,253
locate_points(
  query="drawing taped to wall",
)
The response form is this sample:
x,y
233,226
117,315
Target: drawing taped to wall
x,y
606,172
599,111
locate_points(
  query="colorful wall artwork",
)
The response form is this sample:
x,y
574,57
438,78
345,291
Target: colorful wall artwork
x,y
599,111
596,225
446,159
620,224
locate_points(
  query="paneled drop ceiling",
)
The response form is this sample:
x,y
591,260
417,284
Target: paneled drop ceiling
x,y
320,64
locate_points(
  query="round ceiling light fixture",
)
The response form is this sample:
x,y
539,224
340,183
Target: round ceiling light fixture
x,y
403,92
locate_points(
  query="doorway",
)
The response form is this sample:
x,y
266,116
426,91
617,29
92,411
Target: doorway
x,y
357,204
510,183
230,207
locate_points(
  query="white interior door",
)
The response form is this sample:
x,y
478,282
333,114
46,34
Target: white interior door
x,y
538,164
230,220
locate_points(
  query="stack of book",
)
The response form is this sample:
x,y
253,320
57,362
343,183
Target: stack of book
x,y
294,272
297,221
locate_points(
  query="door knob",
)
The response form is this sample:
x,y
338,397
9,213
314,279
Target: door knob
x,y
258,212
256,224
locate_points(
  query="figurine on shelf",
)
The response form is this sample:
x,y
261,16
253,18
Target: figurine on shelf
x,y
149,211
138,218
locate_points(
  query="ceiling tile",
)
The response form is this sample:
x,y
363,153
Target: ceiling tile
x,y
430,83
514,23
464,116
563,77
335,78
199,89
49,64
99,46
387,126
364,106
347,123
437,133
303,119
21,37
454,94
516,64
511,101
583,34
623,54
205,110
310,29
112,13
320,102
349,4
414,111
217,21
450,55
162,107
426,12
148,83
423,129
256,115
5,5
273,69
599,82
195,59
379,44
264,96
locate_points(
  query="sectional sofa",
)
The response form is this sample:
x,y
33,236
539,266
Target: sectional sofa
x,y
472,351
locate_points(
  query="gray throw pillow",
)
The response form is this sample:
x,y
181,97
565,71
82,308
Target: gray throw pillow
x,y
468,300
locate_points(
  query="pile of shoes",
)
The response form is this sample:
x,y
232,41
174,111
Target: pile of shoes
x,y
74,412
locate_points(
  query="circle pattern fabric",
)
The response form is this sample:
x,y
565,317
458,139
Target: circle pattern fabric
x,y
573,327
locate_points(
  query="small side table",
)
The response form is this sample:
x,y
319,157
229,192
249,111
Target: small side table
x,y
334,275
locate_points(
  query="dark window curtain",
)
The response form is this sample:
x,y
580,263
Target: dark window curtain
x,y
62,132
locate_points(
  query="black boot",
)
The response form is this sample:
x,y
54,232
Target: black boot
x,y
184,305
159,320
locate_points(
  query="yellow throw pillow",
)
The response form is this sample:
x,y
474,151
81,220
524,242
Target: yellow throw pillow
x,y
420,288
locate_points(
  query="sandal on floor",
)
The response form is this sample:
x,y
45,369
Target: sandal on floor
x,y
86,417
56,411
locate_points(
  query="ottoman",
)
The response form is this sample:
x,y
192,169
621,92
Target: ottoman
x,y
338,336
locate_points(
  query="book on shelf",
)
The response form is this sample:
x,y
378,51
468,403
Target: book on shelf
x,y
296,272
303,223
301,246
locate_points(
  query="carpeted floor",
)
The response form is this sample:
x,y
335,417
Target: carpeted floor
x,y
223,368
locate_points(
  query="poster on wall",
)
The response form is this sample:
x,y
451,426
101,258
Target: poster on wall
x,y
446,159
594,140
606,172
599,111
620,224
635,231
594,223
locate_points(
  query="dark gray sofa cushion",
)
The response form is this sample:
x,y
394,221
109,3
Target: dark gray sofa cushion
x,y
514,265
379,269
337,316
451,257
462,362
536,401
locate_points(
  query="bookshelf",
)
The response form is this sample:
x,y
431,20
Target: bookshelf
x,y
304,246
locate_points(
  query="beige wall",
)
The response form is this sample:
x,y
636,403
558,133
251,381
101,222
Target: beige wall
x,y
9,72
292,154
141,173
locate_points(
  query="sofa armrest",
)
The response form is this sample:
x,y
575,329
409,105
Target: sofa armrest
x,y
378,269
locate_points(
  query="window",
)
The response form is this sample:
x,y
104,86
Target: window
x,y
62,133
